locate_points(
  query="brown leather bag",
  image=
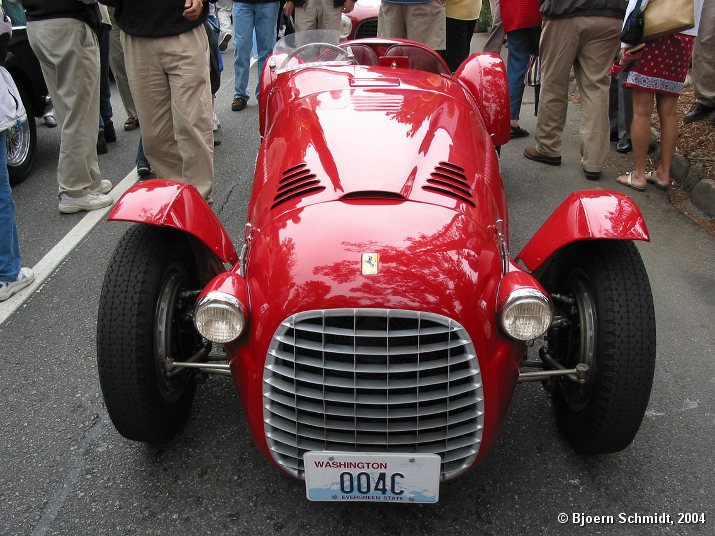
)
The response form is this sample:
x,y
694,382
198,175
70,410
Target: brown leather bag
x,y
665,17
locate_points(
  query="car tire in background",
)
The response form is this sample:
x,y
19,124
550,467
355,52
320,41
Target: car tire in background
x,y
21,142
144,318
605,295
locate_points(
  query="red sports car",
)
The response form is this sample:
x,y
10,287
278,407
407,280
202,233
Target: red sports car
x,y
375,322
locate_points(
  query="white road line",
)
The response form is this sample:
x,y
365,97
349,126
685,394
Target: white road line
x,y
56,255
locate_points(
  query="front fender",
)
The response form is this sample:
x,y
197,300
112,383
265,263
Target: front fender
x,y
484,75
178,205
585,215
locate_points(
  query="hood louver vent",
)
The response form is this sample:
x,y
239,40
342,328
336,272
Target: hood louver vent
x,y
448,179
297,181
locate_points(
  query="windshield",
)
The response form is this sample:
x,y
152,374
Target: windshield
x,y
308,49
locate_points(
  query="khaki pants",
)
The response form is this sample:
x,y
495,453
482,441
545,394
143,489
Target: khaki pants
x,y
169,80
424,22
589,44
318,15
116,62
69,56
704,57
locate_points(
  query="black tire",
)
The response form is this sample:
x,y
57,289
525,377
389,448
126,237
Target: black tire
x,y
20,144
142,319
612,330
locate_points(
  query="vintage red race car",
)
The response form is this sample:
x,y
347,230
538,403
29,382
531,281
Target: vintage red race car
x,y
375,322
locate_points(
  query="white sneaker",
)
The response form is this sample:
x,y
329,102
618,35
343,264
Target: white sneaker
x,y
104,188
215,123
91,201
8,288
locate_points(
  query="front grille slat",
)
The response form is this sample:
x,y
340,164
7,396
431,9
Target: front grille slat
x,y
373,380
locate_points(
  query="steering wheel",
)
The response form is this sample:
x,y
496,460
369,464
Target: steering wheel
x,y
334,48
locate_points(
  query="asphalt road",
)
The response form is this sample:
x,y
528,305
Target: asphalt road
x,y
66,471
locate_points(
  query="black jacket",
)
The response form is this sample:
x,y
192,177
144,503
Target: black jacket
x,y
562,9
154,18
62,9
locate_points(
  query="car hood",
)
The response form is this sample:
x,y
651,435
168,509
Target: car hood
x,y
428,258
418,137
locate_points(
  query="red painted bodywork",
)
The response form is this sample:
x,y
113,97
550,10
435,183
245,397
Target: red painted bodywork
x,y
368,159
177,205
585,215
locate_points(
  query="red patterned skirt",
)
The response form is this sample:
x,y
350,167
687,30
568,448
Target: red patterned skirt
x,y
663,65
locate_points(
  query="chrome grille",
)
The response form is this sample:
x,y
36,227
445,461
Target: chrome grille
x,y
372,380
367,28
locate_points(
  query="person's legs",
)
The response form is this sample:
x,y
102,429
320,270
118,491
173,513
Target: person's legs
x,y
517,61
152,97
666,106
459,35
243,24
640,135
495,41
425,23
391,20
557,51
105,94
265,23
9,245
116,62
69,56
186,63
599,43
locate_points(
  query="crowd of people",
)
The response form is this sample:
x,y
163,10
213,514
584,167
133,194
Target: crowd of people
x,y
165,59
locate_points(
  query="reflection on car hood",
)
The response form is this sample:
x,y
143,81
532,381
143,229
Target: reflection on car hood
x,y
419,139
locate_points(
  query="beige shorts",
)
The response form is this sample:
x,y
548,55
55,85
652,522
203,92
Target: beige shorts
x,y
423,22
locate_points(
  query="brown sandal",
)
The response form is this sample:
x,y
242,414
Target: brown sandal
x,y
131,123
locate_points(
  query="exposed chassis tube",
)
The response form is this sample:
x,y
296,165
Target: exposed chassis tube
x,y
577,374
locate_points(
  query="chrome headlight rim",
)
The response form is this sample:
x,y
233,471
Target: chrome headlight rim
x,y
521,297
346,26
220,301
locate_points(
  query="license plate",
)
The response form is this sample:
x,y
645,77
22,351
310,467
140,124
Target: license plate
x,y
347,476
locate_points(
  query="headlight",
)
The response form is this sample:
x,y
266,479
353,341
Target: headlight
x,y
526,314
346,26
219,317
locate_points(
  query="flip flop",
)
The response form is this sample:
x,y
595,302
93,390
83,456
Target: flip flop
x,y
649,179
629,183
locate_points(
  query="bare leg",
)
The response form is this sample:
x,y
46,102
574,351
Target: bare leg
x,y
640,135
668,136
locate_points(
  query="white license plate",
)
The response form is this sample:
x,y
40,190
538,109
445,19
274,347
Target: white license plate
x,y
349,476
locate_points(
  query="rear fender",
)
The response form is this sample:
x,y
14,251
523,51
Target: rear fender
x,y
179,206
484,75
585,215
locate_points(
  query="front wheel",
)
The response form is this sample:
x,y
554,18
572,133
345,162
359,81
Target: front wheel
x,y
604,296
144,319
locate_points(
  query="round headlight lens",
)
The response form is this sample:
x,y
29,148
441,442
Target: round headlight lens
x,y
346,26
219,317
526,314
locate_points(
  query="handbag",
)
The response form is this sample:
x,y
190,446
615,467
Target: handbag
x,y
665,17
532,76
633,26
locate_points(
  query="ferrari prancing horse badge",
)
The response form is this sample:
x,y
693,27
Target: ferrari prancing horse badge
x,y
369,263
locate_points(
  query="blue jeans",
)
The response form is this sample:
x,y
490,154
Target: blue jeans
x,y
141,158
105,104
522,43
9,245
246,18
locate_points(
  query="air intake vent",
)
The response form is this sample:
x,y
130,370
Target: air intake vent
x,y
296,182
448,179
372,380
